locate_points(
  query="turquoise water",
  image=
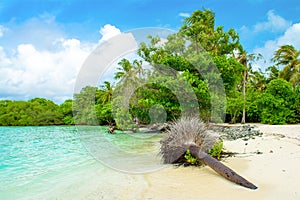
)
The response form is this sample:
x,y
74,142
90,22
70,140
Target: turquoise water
x,y
63,162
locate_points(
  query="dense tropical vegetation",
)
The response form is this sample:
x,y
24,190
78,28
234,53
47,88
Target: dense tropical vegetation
x,y
199,54
35,112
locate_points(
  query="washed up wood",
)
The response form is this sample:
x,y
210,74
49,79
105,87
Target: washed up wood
x,y
191,134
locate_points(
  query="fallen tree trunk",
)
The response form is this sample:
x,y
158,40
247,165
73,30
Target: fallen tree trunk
x,y
220,168
191,134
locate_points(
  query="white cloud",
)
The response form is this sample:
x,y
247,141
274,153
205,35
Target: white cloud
x,y
108,31
45,71
42,73
182,14
273,26
275,23
290,36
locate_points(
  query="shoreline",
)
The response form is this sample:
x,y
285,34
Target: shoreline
x,y
269,161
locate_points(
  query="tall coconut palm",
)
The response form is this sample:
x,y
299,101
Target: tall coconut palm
x,y
129,71
191,134
106,92
126,70
130,76
138,67
288,57
246,59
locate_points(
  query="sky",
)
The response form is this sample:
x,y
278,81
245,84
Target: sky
x,y
43,44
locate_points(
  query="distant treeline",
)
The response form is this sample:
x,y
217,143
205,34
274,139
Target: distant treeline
x,y
271,96
35,112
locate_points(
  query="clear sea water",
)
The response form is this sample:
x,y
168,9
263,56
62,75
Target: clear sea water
x,y
74,163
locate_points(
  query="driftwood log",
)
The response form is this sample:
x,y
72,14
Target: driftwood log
x,y
191,134
219,167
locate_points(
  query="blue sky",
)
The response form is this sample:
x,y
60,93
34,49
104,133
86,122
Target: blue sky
x,y
43,43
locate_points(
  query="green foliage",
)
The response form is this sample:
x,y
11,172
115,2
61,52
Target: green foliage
x,y
84,106
277,103
190,50
214,152
288,57
217,149
200,29
150,95
231,71
234,105
66,109
253,105
92,106
35,112
104,113
296,106
190,159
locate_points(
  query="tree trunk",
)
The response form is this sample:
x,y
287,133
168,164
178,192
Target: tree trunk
x,y
111,129
220,168
244,96
233,120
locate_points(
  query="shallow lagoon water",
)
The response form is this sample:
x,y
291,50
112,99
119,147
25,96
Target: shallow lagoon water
x,y
54,163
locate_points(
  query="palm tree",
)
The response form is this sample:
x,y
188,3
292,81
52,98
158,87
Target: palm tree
x,y
106,92
129,71
130,75
245,59
138,67
125,70
288,57
273,72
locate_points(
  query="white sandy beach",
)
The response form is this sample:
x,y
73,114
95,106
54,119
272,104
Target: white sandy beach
x,y
275,170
